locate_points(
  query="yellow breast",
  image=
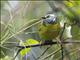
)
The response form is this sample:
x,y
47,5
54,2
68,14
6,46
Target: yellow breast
x,y
49,32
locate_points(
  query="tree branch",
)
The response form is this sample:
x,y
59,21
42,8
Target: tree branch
x,y
50,43
43,44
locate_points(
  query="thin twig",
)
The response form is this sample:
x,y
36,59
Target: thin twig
x,y
21,31
45,44
62,51
33,56
43,52
50,54
62,31
16,54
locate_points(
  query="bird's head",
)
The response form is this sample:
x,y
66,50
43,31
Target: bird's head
x,y
49,19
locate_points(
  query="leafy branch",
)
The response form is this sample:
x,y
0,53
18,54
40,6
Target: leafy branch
x,y
50,43
44,44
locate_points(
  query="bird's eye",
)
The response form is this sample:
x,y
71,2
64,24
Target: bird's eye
x,y
47,16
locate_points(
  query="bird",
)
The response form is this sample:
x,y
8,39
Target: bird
x,y
49,28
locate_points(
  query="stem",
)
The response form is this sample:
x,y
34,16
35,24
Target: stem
x,y
62,51
50,43
43,53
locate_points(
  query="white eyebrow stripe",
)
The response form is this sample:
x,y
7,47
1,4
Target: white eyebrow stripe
x,y
52,15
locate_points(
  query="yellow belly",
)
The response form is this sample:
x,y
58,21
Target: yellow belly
x,y
49,32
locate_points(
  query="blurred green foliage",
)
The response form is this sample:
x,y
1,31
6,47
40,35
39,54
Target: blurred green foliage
x,y
19,20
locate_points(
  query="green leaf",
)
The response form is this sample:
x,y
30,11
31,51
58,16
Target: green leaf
x,y
32,42
24,51
28,42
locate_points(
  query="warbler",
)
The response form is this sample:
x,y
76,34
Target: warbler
x,y
49,27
